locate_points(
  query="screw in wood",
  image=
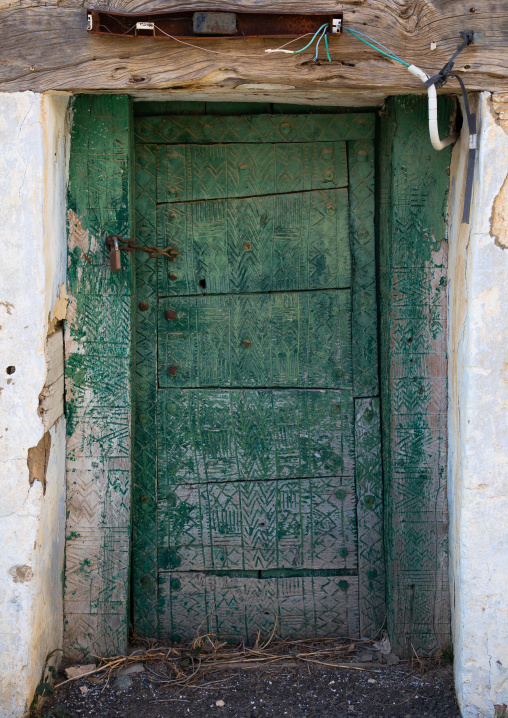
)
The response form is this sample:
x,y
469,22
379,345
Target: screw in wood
x,y
144,306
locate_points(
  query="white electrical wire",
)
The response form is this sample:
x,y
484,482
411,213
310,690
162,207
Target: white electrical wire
x,y
437,143
230,54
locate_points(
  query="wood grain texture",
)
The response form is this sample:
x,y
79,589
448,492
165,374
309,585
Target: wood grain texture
x,y
209,435
259,525
248,170
97,373
144,469
369,491
255,461
288,242
414,187
286,339
364,285
46,47
237,608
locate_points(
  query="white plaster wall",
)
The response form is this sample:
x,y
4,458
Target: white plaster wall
x,y
33,149
478,468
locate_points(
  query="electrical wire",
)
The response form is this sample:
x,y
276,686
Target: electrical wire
x,y
129,30
310,43
389,54
430,84
230,54
319,40
327,50
357,32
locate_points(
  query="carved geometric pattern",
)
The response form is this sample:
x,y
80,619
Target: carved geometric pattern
x,y
365,351
258,525
369,490
204,172
97,383
281,339
257,128
236,609
144,474
208,435
257,244
414,186
246,464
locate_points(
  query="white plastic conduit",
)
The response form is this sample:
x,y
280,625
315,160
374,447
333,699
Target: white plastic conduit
x,y
437,143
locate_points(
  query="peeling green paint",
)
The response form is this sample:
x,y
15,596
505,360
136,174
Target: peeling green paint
x,y
97,377
413,262
413,187
275,289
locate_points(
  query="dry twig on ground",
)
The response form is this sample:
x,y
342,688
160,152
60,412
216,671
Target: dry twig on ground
x,y
183,665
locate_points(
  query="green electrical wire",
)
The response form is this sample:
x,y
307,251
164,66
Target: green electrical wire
x,y
319,40
327,51
295,52
392,57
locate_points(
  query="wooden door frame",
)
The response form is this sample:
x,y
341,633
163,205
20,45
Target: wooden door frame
x,y
98,376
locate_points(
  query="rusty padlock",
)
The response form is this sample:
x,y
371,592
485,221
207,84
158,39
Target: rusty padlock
x,y
115,260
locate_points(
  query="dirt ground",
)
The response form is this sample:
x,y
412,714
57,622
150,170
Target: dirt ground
x,y
292,689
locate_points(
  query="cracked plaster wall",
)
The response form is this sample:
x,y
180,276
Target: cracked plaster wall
x,y
33,152
478,423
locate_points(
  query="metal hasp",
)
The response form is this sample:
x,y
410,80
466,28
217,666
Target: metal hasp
x,y
210,24
113,246
115,260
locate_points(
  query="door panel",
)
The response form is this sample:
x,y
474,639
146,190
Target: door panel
x,y
255,129
283,524
197,172
257,471
210,435
259,244
304,607
296,339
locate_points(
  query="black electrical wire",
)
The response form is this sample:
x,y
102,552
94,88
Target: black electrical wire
x,y
439,80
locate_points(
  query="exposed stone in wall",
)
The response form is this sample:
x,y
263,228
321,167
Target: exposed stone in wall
x,y
21,574
499,218
500,107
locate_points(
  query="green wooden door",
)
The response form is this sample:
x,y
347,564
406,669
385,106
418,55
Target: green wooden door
x,y
258,492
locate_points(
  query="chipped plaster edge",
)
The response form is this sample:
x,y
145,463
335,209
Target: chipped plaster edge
x,y
33,171
478,428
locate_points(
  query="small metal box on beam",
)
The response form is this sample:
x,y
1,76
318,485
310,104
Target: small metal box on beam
x,y
214,23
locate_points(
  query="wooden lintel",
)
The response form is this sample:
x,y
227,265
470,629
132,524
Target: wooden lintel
x,y
47,47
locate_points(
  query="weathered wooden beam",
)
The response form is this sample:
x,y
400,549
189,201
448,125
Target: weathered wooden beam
x,y
47,47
